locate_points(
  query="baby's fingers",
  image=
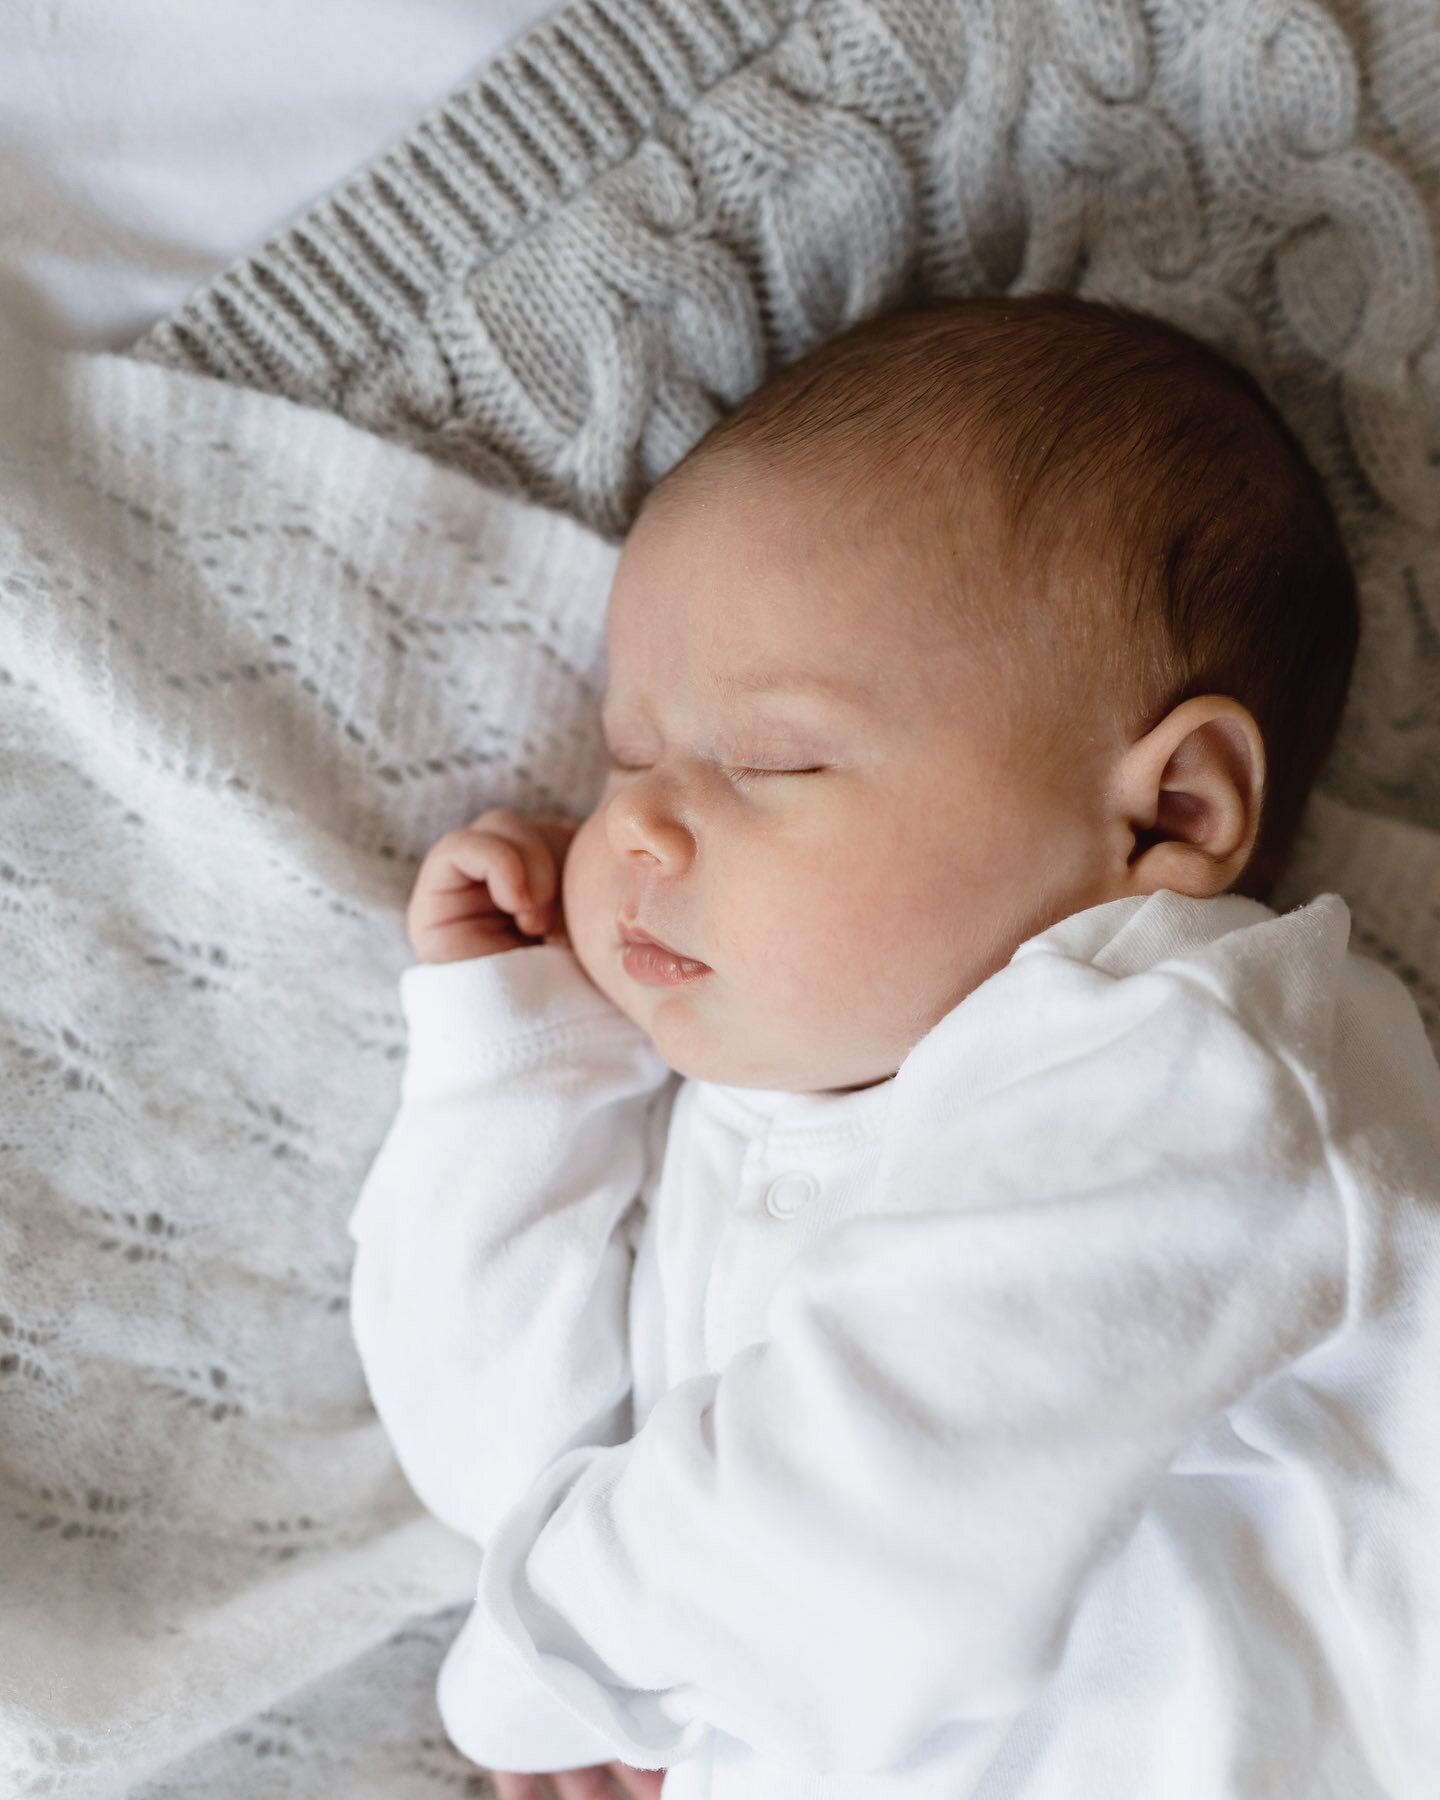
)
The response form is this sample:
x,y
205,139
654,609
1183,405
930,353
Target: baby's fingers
x,y
607,1781
516,1787
582,1784
465,878
637,1784
537,876
468,871
565,1784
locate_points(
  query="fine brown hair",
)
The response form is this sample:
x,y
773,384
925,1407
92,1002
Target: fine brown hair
x,y
1150,496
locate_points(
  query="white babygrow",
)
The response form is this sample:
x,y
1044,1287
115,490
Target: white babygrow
x,y
1054,1421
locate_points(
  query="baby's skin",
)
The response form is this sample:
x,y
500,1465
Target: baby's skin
x,y
828,791
490,886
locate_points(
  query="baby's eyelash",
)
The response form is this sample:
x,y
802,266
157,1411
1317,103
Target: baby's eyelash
x,y
745,774
742,774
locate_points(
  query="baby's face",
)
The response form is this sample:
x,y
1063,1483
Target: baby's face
x,y
892,854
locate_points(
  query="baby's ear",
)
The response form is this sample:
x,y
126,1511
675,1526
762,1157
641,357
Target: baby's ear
x,y
1191,792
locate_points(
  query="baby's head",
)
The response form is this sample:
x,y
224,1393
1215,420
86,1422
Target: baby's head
x,y
979,615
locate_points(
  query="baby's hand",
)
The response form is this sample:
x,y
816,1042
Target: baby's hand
x,y
581,1784
490,886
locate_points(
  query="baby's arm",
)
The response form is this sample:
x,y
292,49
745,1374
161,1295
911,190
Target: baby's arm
x,y
490,1285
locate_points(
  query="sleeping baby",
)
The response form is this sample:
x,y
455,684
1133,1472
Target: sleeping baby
x,y
920,1281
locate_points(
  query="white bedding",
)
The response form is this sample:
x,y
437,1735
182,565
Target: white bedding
x,y
213,1578
146,144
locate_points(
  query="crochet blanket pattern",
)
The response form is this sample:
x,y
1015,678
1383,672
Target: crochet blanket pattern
x,y
319,571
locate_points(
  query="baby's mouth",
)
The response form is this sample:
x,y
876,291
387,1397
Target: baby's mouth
x,y
631,933
646,959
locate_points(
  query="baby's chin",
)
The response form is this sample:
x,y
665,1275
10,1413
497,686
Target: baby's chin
x,y
698,1047
683,1043
676,1027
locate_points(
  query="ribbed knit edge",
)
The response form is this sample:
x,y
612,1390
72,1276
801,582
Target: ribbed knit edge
x,y
571,98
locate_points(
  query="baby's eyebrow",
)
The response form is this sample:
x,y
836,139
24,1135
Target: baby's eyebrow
x,y
793,680
851,693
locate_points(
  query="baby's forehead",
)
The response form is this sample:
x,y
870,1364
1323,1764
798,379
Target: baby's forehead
x,y
939,629
817,512
820,519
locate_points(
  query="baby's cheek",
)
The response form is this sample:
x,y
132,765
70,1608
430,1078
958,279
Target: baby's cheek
x,y
583,886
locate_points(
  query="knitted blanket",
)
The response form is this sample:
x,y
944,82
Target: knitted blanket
x,y
320,572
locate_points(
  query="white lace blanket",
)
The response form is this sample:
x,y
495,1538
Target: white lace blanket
x,y
252,662
254,659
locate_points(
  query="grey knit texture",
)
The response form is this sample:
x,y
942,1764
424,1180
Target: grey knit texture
x,y
568,272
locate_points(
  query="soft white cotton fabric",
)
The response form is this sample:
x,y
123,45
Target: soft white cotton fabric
x,y
146,144
1054,1419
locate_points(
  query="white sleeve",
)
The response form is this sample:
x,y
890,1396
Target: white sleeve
x,y
490,1283
881,1519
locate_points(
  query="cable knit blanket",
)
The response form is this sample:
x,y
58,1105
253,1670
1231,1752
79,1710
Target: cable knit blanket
x,y
320,572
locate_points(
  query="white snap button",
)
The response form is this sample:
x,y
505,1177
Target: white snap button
x,y
788,1193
